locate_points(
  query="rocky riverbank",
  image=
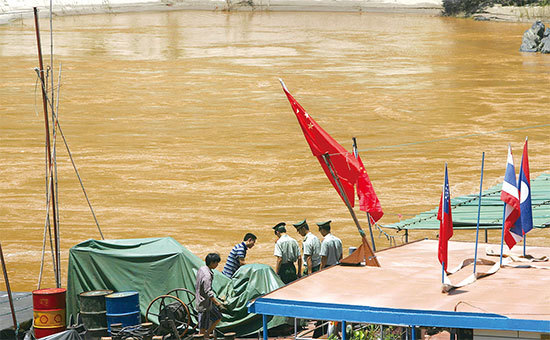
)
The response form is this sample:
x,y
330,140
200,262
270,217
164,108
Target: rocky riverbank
x,y
13,9
514,13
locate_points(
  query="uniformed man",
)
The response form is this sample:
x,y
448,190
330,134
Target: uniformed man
x,y
331,247
287,252
311,247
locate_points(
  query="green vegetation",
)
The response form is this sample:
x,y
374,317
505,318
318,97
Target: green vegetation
x,y
372,332
469,7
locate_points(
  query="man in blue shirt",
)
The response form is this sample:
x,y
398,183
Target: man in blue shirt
x,y
237,255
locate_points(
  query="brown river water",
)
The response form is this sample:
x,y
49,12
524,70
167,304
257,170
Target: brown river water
x,y
179,127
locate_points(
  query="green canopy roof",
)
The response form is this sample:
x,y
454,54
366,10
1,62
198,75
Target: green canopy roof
x,y
464,209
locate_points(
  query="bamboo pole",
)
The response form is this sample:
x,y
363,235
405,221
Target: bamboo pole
x,y
48,146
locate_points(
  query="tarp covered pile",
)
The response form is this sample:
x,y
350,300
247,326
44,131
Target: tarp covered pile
x,y
154,266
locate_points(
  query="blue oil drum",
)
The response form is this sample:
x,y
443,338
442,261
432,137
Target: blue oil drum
x,y
123,307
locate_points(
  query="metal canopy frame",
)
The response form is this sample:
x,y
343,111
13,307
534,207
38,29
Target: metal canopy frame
x,y
392,316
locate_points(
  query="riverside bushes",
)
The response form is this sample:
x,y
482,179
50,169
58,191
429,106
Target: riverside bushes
x,y
469,7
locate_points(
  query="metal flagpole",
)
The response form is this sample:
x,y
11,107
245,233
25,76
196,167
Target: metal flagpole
x,y
502,237
479,209
355,152
326,158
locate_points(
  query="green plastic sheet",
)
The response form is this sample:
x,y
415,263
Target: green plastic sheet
x,y
154,266
464,209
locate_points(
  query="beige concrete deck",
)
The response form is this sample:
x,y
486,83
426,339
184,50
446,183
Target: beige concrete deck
x,y
410,278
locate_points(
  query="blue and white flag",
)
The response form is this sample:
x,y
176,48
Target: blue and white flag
x,y
524,186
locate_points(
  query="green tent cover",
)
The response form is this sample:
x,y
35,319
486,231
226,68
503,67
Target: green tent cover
x,y
464,209
154,266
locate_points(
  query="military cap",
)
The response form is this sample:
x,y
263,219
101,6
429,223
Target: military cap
x,y
300,225
280,225
324,225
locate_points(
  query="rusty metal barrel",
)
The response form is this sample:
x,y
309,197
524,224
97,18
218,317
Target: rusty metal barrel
x,y
94,312
49,309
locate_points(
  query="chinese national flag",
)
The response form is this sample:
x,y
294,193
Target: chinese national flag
x,y
368,201
344,164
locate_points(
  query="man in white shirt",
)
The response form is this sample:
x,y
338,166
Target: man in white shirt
x,y
287,252
331,247
311,247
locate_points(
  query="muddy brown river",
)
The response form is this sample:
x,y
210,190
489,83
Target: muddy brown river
x,y
179,127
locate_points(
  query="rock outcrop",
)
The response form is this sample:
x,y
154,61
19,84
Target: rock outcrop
x,y
535,38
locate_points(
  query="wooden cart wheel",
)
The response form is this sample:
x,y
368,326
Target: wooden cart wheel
x,y
172,315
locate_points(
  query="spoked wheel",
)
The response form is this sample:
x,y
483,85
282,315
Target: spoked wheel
x,y
184,295
172,314
188,297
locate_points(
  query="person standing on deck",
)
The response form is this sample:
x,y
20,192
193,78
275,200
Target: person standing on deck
x,y
287,252
205,301
311,247
237,255
331,247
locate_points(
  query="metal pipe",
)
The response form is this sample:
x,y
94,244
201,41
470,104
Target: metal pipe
x,y
479,209
326,158
356,153
8,289
48,147
264,322
344,326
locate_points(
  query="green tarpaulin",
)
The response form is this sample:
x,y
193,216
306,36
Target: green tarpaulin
x,y
464,209
154,266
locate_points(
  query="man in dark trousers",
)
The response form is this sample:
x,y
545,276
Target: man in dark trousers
x,y
311,247
287,251
331,247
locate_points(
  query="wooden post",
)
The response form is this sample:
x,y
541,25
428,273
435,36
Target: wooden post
x,y
364,252
48,149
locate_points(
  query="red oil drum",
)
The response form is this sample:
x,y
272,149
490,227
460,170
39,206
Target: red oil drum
x,y
49,311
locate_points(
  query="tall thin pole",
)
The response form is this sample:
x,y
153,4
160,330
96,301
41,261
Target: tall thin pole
x,y
479,209
326,158
8,288
48,147
502,237
355,152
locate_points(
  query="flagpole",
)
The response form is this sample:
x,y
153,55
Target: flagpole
x,y
326,158
502,237
368,215
479,209
519,187
443,272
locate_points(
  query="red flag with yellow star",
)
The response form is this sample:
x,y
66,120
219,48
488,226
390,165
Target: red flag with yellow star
x,y
368,201
344,163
